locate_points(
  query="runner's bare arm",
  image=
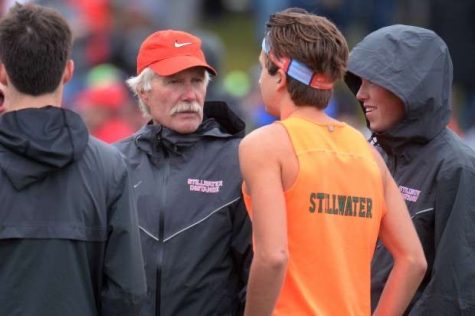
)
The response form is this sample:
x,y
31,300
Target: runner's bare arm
x,y
262,177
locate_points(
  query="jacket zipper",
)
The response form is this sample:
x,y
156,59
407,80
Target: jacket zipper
x,y
161,229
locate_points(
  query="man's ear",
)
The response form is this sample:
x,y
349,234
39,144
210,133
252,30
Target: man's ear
x,y
3,75
281,78
68,71
143,95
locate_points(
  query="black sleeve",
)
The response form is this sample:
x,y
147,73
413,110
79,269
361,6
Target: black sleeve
x,y
242,246
124,278
451,286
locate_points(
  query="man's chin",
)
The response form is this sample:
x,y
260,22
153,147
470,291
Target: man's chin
x,y
2,109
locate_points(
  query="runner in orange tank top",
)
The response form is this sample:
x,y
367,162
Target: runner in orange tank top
x,y
318,193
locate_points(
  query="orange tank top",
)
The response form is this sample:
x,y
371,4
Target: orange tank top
x,y
334,210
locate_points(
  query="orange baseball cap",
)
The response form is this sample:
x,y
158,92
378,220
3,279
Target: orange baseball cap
x,y
168,52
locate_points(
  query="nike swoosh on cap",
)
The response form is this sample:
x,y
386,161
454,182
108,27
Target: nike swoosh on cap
x,y
177,45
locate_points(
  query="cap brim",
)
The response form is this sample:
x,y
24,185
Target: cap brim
x,y
171,66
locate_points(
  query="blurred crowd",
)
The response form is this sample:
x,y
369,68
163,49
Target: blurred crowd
x,y
108,34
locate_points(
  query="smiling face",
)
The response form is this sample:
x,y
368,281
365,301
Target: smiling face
x,y
177,101
383,109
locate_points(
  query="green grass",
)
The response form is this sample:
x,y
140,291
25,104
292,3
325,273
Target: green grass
x,y
238,34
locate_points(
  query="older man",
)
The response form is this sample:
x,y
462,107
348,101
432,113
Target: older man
x,y
195,231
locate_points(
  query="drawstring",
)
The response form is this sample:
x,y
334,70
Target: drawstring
x,y
373,140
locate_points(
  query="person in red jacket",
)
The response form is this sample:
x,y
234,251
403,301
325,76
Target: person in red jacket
x,y
102,108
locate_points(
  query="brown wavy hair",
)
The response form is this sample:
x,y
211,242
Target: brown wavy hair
x,y
312,40
35,45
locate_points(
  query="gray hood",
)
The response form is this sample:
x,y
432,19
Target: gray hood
x,y
36,142
415,64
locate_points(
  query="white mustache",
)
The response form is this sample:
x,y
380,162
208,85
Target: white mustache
x,y
186,107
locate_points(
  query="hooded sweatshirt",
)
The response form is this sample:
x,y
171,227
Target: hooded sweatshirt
x,y
69,241
434,169
195,231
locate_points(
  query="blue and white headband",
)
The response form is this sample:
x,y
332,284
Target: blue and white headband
x,y
297,70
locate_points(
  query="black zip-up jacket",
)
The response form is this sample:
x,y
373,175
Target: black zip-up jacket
x,y
435,171
195,231
69,243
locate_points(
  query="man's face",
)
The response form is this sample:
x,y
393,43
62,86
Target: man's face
x,y
383,109
177,101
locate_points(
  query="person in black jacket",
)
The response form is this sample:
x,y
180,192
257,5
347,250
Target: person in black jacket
x,y
69,239
403,78
195,231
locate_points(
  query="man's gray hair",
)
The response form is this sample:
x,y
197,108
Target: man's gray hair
x,y
143,82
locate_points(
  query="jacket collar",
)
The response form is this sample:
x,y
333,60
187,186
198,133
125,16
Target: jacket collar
x,y
218,122
401,147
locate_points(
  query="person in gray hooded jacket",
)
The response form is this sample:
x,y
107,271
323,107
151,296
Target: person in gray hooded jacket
x,y
402,76
195,231
69,241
